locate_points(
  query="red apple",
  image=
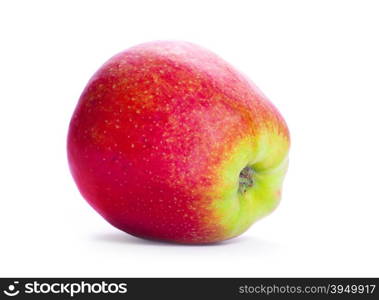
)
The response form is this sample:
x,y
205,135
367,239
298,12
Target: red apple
x,y
170,142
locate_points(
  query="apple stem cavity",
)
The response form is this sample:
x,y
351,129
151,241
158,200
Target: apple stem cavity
x,y
245,179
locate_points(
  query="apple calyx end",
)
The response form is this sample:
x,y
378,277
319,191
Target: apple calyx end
x,y
245,180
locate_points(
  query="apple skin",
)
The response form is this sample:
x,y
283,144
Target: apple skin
x,y
160,136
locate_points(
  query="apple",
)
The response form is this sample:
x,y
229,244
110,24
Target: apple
x,y
169,142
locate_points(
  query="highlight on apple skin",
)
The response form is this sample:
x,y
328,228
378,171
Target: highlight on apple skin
x,y
170,142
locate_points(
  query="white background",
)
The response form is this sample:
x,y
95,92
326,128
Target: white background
x,y
318,61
